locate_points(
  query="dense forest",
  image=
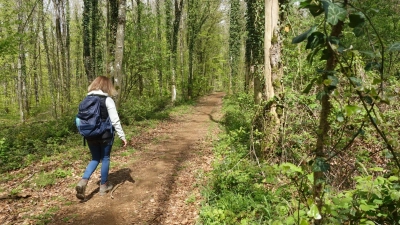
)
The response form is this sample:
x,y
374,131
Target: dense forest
x,y
311,112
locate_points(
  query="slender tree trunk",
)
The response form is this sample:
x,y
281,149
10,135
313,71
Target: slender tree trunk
x,y
78,56
67,52
119,49
87,57
112,23
139,47
21,79
190,77
235,33
182,56
56,69
159,49
48,60
37,58
253,53
95,29
61,51
324,125
174,46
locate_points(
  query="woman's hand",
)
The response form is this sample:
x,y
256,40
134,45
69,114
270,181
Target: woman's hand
x,y
125,143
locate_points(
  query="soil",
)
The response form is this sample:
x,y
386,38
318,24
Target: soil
x,y
157,178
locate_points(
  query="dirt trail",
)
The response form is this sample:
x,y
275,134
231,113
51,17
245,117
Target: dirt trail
x,y
158,184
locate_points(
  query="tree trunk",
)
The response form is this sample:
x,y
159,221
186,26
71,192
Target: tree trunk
x,y
159,50
112,23
21,78
139,47
61,51
324,125
87,57
271,70
67,51
94,31
253,53
119,49
48,60
235,34
174,46
78,57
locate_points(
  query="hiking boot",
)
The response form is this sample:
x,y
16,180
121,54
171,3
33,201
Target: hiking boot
x,y
104,188
80,189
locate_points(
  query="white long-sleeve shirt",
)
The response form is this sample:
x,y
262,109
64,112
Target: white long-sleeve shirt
x,y
112,112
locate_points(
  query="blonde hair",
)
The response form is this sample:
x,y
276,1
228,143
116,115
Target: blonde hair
x,y
104,84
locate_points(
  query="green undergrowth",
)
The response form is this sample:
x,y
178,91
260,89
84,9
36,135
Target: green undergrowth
x,y
243,189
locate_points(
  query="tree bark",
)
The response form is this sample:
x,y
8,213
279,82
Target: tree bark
x,y
324,125
139,47
174,46
21,78
119,50
87,57
48,60
235,36
94,42
112,23
271,70
61,51
159,50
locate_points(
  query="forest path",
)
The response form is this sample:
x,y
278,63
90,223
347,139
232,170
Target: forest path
x,y
158,183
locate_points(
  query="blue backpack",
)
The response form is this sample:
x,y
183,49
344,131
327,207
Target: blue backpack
x,y
88,120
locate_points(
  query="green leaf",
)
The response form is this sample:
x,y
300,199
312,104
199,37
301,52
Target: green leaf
x,y
376,169
290,168
315,9
356,20
320,95
303,222
372,66
334,40
377,81
303,36
395,195
356,81
325,54
333,12
340,117
320,165
309,86
358,31
367,208
314,212
368,53
310,57
333,81
368,99
394,47
315,39
351,109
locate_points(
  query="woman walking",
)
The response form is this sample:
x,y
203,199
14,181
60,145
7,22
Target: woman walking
x,y
100,147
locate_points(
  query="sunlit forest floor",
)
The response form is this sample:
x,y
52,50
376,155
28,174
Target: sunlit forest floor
x,y
157,178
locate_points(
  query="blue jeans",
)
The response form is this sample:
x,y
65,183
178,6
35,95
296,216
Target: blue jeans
x,y
99,153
